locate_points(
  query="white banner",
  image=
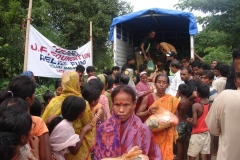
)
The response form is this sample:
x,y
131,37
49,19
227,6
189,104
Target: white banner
x,y
46,59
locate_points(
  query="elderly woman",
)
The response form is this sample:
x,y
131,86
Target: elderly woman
x,y
150,105
70,85
123,130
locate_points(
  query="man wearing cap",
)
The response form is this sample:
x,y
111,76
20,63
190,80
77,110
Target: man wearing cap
x,y
130,64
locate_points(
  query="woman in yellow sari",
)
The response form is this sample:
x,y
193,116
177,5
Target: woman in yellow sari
x,y
70,85
167,137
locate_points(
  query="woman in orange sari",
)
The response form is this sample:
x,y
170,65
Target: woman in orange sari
x,y
167,137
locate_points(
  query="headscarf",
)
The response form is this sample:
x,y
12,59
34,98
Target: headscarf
x,y
115,138
91,77
27,73
143,73
70,85
102,78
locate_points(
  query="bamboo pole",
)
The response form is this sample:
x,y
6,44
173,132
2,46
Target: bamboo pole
x,y
91,42
27,35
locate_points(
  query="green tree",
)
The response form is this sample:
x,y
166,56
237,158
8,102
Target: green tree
x,y
211,46
64,22
72,18
223,16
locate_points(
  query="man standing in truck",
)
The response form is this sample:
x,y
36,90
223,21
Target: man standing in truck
x,y
146,43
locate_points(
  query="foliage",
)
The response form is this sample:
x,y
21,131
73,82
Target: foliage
x,y
221,54
211,46
3,84
221,26
40,90
64,22
224,16
208,38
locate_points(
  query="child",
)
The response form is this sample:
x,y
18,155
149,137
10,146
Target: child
x,y
36,108
115,70
207,77
9,146
107,72
200,137
91,93
62,135
183,128
58,88
143,88
109,91
90,71
23,87
15,119
47,97
142,68
80,70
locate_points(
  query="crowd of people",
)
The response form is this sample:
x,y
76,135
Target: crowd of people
x,y
103,116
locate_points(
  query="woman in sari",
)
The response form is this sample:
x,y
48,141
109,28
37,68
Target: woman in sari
x,y
123,130
143,88
167,137
70,85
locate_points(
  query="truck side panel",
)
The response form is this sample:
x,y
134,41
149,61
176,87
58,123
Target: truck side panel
x,y
123,49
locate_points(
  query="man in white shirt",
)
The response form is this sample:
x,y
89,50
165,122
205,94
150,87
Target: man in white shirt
x,y
220,82
175,67
224,116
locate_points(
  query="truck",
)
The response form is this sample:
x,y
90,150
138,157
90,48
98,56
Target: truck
x,y
172,26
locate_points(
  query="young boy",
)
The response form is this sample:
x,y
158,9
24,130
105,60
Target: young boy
x,y
47,97
80,70
207,78
183,128
200,137
90,71
220,83
115,70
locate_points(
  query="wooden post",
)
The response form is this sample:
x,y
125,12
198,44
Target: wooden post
x,y
27,35
91,41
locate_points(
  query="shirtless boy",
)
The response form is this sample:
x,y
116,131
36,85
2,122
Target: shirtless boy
x,y
183,127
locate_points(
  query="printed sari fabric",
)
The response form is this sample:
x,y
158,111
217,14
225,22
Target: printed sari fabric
x,y
167,137
70,86
115,139
141,89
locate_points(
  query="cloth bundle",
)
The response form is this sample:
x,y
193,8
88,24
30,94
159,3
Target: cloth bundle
x,y
161,120
133,154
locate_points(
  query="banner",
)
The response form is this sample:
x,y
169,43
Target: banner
x,y
46,59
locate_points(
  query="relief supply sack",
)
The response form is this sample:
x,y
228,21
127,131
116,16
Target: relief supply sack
x,y
133,154
161,120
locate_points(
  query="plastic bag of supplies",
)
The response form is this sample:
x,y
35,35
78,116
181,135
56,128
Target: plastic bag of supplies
x,y
133,154
161,120
150,65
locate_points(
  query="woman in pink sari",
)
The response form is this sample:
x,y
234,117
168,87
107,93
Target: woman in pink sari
x,y
143,89
123,130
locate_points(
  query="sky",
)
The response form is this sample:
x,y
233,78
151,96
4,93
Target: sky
x,y
166,4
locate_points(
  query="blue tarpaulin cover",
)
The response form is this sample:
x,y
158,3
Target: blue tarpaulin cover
x,y
164,20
